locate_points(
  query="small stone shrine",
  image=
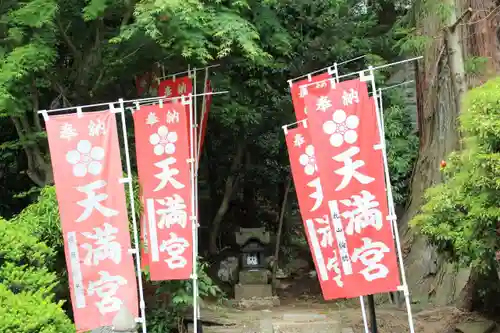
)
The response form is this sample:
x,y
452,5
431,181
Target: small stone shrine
x,y
253,275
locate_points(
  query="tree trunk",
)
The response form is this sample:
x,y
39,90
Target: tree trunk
x,y
442,75
229,189
455,55
249,218
280,228
39,169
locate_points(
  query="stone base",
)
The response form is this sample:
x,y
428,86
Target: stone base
x,y
249,291
254,277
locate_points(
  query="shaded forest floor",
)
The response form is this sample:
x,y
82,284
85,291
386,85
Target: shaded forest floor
x,y
389,318
302,299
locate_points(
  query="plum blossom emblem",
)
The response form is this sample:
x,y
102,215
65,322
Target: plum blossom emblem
x,y
308,161
163,141
341,128
86,159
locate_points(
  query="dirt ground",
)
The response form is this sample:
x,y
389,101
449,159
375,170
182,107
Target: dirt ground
x,y
389,318
304,299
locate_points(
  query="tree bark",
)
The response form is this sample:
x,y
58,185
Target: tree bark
x,y
288,186
455,55
229,189
441,78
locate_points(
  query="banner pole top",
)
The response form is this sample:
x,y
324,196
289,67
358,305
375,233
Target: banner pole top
x,y
370,69
77,108
189,71
165,98
324,69
285,127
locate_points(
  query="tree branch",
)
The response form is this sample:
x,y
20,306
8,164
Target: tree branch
x,y
36,107
32,170
288,186
128,13
229,190
67,40
457,22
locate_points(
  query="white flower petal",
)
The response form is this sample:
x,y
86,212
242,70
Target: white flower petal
x,y
350,136
80,170
163,131
154,139
97,153
159,149
95,168
336,140
169,148
84,146
352,122
309,169
310,150
329,127
304,159
73,157
172,137
339,116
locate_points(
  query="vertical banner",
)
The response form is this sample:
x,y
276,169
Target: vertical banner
x,y
143,225
299,90
343,129
176,87
146,81
87,172
314,211
162,150
207,102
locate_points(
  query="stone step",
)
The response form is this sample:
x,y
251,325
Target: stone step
x,y
228,329
326,326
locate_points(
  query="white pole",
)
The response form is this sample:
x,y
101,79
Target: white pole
x,y
136,251
194,143
381,113
363,311
392,211
202,117
361,72
194,275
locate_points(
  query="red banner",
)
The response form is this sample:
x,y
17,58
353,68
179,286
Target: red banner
x,y
162,149
314,211
204,116
343,128
87,171
176,87
300,89
144,238
147,81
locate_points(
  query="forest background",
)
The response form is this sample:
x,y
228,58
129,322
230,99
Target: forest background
x,y
68,53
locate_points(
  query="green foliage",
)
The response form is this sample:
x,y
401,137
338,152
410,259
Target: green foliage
x,y
42,219
402,146
461,216
476,65
26,285
175,298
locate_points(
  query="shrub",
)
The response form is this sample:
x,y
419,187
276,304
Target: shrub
x,y
26,285
461,216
